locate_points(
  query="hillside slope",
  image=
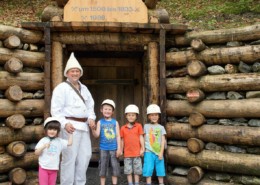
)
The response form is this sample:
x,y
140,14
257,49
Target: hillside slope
x,y
197,14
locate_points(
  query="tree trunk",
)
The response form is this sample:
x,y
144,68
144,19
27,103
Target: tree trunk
x,y
248,108
195,145
196,68
17,176
27,81
29,58
13,65
212,83
27,134
233,135
178,180
29,160
215,56
196,119
51,11
195,174
197,45
14,93
15,121
220,36
12,42
17,148
26,36
215,160
28,108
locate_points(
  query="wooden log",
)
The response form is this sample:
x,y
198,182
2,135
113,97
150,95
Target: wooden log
x,y
27,134
233,135
177,73
29,108
158,16
151,4
13,65
14,93
247,108
26,36
103,38
195,145
16,121
57,64
50,11
17,148
28,160
27,81
196,68
195,95
246,33
12,42
197,45
34,181
2,150
6,183
195,174
61,3
212,83
17,176
29,58
221,161
215,56
178,180
196,119
153,82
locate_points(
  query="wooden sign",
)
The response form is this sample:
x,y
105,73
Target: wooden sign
x,y
132,11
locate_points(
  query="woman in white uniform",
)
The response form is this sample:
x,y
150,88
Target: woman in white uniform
x,y
74,105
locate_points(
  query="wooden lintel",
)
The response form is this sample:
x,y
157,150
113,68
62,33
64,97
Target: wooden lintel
x,y
111,81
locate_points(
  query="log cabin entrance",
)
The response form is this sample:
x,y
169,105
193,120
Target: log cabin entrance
x,y
116,77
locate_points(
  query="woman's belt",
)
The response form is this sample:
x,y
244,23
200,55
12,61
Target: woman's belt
x,y
77,119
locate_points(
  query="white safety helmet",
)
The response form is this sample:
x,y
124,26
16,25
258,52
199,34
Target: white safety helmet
x,y
109,102
132,109
153,108
49,119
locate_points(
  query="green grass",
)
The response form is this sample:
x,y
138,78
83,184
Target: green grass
x,y
213,14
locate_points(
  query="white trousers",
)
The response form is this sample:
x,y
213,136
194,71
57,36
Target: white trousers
x,y
75,159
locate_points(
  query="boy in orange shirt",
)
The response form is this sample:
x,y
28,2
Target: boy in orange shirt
x,y
132,143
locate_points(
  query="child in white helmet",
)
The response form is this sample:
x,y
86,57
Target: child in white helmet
x,y
154,135
49,149
132,143
110,147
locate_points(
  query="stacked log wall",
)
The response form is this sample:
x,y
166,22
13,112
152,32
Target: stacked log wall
x,y
22,60
213,96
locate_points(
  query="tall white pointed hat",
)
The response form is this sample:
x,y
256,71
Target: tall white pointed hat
x,y
72,63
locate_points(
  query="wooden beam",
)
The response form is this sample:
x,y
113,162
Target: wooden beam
x,y
248,108
56,64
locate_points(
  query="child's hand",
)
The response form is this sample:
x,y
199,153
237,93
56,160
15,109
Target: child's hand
x,y
160,156
118,153
47,145
141,152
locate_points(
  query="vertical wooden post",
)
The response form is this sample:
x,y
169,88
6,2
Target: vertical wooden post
x,y
153,81
47,70
57,64
162,85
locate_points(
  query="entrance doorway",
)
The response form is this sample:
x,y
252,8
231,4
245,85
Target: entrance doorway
x,y
116,78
